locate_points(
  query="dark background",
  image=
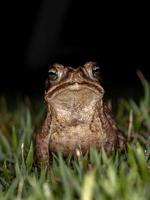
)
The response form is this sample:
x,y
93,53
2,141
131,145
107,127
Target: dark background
x,y
72,32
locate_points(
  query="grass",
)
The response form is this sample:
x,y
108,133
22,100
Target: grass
x,y
95,176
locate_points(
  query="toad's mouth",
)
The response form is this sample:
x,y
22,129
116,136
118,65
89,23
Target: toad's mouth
x,y
75,88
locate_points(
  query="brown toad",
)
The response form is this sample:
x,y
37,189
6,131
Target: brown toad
x,y
76,117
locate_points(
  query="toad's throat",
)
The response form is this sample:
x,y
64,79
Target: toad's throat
x,y
75,101
74,108
75,87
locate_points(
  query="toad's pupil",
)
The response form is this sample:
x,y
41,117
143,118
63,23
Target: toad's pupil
x,y
96,71
53,75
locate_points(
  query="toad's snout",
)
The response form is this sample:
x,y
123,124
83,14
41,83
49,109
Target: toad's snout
x,y
76,76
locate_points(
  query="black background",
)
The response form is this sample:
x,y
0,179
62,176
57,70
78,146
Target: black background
x,y
73,32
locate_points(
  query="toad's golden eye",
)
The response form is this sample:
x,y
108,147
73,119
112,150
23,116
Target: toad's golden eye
x,y
52,74
96,71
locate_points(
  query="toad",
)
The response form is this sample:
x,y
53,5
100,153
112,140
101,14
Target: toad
x,y
77,116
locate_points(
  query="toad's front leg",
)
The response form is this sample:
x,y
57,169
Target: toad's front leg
x,y
42,144
42,150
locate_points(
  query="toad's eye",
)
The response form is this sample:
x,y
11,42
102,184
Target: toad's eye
x,y
96,71
52,74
